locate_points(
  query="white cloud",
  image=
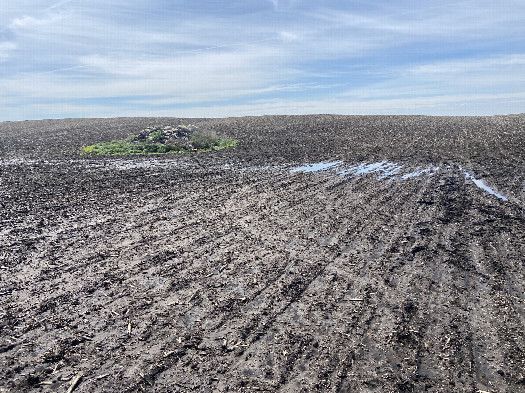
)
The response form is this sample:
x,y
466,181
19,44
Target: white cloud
x,y
193,77
288,36
26,21
5,48
280,5
31,22
57,5
460,105
457,22
453,105
495,75
469,65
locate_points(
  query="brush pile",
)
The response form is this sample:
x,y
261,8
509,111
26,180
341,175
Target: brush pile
x,y
179,135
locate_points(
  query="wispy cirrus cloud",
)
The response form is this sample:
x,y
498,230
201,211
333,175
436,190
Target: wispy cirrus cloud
x,y
280,5
470,65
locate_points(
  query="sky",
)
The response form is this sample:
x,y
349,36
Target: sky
x,y
196,58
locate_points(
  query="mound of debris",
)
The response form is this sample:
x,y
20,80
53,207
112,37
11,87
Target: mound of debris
x,y
162,139
180,135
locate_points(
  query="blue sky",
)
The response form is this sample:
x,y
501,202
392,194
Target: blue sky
x,y
194,58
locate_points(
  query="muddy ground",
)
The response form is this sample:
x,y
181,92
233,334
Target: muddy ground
x,y
397,268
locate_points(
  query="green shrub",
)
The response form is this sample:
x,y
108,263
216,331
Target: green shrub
x,y
202,141
157,136
225,143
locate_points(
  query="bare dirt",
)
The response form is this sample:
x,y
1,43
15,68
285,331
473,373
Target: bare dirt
x,y
238,270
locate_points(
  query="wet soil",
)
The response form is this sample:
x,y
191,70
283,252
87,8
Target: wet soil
x,y
235,270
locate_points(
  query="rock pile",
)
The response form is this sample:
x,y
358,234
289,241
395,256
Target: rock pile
x,y
167,134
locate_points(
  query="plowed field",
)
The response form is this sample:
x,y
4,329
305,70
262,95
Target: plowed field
x,y
321,254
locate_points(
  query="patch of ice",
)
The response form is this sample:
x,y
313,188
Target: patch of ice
x,y
418,172
390,170
348,171
386,170
484,187
25,161
124,165
383,169
15,161
370,168
317,167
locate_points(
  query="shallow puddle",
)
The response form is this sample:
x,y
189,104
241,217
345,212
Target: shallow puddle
x,y
318,167
141,164
382,169
419,172
387,170
484,187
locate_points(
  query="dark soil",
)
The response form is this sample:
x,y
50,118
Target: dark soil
x,y
225,271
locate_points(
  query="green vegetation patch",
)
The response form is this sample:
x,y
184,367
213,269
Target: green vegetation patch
x,y
161,140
